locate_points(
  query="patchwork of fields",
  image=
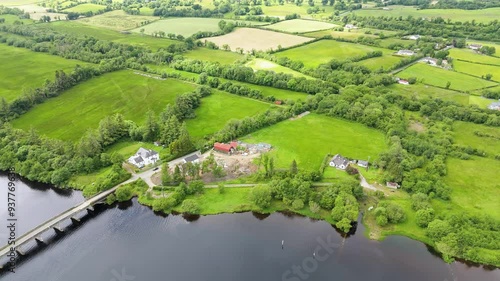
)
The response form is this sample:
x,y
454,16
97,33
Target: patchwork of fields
x,y
310,138
323,51
436,76
251,38
300,26
69,115
22,69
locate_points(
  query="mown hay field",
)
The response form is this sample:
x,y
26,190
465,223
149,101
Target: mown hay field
x,y
117,20
252,38
262,64
69,115
224,57
300,26
384,62
323,51
439,77
187,26
87,7
308,139
22,69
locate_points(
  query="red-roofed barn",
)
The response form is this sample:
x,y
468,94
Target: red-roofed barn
x,y
224,147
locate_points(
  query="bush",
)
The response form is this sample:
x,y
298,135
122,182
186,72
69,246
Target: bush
x,y
189,206
382,220
395,214
195,187
424,217
298,204
222,188
261,196
314,207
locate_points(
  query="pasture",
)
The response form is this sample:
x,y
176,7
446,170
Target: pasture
x,y
323,51
475,186
471,56
300,26
262,64
81,29
22,69
281,11
69,115
116,20
187,26
224,57
464,134
36,12
220,107
16,2
349,34
251,38
86,7
310,138
439,77
420,91
485,15
384,62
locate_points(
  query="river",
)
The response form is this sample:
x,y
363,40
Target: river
x,y
129,242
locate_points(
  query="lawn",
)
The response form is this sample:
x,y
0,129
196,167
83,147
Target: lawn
x,y
484,15
22,69
84,8
205,54
233,200
310,138
384,62
69,115
81,29
323,51
262,64
187,26
479,70
249,39
300,26
129,148
472,56
475,185
117,20
220,107
436,76
464,135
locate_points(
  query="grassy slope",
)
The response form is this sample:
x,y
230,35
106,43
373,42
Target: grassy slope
x,y
470,55
219,108
478,70
262,64
420,90
310,138
325,50
224,57
439,77
72,113
464,135
485,15
384,62
111,35
116,20
300,26
23,69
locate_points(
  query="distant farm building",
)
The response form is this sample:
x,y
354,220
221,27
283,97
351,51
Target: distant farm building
x,y
413,37
494,105
144,157
475,47
278,102
193,158
403,82
362,163
393,185
228,148
405,53
350,26
339,162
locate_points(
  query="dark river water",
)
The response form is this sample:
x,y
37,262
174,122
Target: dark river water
x,y
129,242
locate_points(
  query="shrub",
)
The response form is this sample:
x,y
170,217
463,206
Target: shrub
x,y
261,196
298,204
189,206
424,217
314,207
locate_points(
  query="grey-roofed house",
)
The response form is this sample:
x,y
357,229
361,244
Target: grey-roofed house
x,y
363,163
339,162
193,158
144,157
494,105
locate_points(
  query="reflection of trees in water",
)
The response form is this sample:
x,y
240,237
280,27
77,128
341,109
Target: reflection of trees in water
x,y
190,217
125,204
44,187
260,216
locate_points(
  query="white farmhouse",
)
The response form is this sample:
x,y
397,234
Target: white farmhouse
x,y
144,157
339,162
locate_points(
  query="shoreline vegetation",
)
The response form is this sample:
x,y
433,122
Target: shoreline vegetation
x,y
127,79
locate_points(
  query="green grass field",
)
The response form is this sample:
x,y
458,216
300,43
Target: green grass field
x,y
291,8
479,70
117,20
464,135
87,7
262,64
186,26
475,185
300,26
111,35
310,138
10,19
22,69
69,115
471,56
325,50
436,76
485,15
384,62
205,54
482,102
17,2
220,107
